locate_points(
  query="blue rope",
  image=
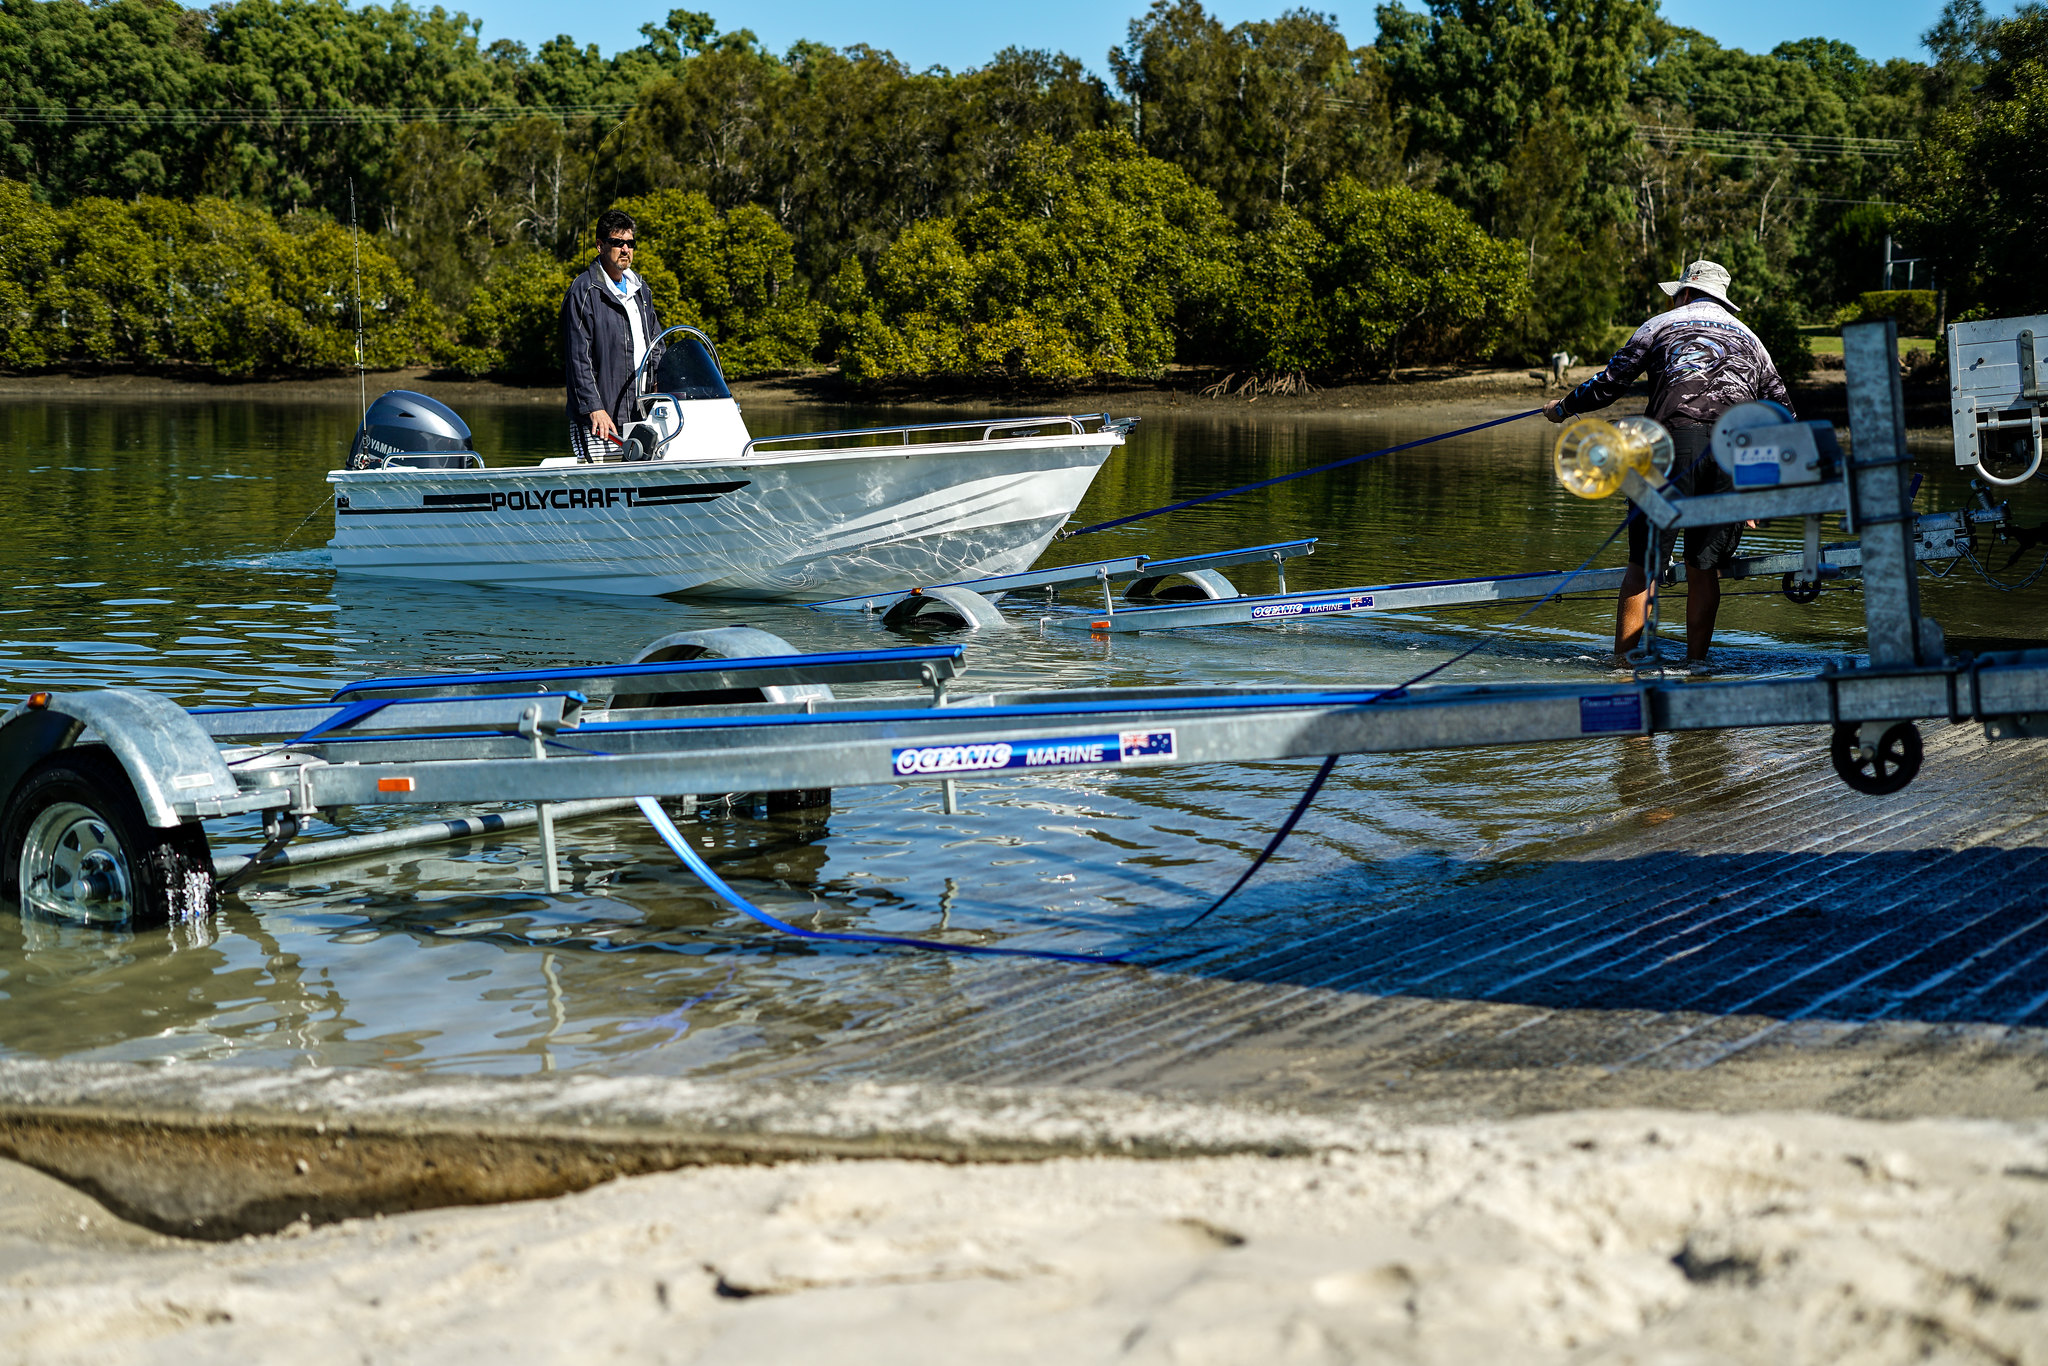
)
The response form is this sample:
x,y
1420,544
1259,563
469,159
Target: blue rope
x,y
673,838
1300,474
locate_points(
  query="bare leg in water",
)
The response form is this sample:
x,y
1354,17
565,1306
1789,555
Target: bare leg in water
x,y
1702,605
1631,610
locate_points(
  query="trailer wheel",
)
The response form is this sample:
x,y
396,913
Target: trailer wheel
x,y
75,845
1800,592
1886,768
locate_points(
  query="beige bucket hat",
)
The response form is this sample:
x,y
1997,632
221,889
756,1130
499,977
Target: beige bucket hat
x,y
1704,276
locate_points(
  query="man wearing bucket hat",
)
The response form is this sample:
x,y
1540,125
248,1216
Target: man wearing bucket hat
x,y
1701,362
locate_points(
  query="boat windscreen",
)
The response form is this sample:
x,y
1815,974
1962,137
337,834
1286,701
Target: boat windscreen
x,y
687,371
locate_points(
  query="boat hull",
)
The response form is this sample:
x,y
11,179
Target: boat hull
x,y
803,525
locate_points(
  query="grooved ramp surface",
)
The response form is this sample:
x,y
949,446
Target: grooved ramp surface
x,y
1748,935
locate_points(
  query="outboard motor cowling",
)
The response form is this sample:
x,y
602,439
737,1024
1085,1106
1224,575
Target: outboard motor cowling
x,y
411,431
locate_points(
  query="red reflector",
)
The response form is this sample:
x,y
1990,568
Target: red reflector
x,y
1099,625
38,700
394,785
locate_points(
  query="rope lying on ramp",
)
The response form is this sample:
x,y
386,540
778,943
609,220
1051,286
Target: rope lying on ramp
x,y
673,838
1300,474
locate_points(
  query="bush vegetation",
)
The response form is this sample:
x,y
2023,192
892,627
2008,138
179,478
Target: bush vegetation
x,y
1485,181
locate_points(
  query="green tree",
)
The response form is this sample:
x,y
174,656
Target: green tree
x,y
1475,74
1525,108
1273,319
1264,113
206,283
512,324
1413,278
1976,188
1092,262
30,239
100,96
732,274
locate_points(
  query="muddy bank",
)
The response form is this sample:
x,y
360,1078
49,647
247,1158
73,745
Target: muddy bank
x,y
1637,1236
1446,395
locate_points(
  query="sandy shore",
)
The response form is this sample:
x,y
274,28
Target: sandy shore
x,y
1629,1236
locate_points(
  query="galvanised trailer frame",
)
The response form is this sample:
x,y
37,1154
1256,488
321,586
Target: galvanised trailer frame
x,y
132,775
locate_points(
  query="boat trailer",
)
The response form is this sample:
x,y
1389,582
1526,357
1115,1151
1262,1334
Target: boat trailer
x,y
104,794
1188,591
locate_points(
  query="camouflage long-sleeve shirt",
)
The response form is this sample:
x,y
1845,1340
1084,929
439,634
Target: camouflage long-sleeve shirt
x,y
1702,362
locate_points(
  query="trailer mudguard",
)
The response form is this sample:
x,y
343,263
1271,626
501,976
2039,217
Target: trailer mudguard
x,y
166,755
975,612
732,642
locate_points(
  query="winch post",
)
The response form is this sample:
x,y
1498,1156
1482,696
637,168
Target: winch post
x,y
1879,494
547,846
551,875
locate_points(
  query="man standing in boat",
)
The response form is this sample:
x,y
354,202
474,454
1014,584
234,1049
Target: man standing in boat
x,y
608,322
1701,362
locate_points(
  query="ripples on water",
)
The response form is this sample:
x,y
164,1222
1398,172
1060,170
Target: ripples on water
x,y
168,546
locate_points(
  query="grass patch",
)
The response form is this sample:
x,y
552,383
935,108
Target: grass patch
x,y
1827,341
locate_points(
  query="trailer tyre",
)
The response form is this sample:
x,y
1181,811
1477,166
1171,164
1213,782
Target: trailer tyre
x,y
75,845
1800,592
1885,769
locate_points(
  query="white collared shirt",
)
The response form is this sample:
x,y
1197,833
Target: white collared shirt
x,y
626,286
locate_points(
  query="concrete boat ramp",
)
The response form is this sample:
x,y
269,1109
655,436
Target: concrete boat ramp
x,y
1749,935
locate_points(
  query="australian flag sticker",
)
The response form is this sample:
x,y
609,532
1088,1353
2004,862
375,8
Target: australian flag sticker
x,y
1147,746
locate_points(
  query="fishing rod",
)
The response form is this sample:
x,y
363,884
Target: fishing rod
x,y
355,233
1300,474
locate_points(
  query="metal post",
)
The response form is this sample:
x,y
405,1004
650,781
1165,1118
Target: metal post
x,y
950,802
1280,569
1108,602
552,877
547,847
1879,493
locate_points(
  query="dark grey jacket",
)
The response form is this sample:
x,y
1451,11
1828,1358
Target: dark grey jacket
x,y
597,345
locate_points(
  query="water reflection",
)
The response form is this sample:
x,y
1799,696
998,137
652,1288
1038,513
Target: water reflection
x,y
171,548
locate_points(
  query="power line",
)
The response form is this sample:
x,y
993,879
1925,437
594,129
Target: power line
x,y
1810,147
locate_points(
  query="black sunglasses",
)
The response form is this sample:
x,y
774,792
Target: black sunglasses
x,y
625,242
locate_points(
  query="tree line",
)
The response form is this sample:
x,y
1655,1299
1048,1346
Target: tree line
x,y
1486,180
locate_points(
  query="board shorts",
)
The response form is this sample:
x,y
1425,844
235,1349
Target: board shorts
x,y
1693,471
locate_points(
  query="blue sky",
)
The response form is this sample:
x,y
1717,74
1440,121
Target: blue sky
x,y
943,33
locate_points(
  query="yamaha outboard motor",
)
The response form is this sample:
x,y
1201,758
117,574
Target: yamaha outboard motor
x,y
412,431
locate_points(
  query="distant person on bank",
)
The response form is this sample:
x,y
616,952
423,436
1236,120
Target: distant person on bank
x,y
1701,361
608,322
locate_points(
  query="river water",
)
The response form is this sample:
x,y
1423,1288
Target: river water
x,y
178,546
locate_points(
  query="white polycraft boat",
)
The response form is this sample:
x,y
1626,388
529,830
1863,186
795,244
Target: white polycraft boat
x,y
690,503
